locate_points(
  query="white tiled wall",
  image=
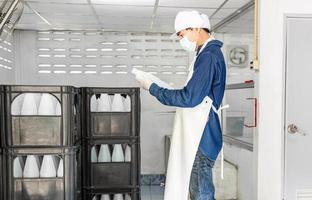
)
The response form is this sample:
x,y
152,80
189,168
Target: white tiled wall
x,y
246,174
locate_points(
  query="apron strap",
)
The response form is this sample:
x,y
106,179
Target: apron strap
x,y
222,153
221,108
214,109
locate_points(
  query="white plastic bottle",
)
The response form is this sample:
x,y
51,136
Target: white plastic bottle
x,y
104,155
47,169
118,105
118,155
31,169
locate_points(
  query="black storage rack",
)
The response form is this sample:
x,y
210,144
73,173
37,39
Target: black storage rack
x,y
1,175
111,124
113,174
2,125
58,135
2,115
111,128
71,136
38,130
133,193
56,188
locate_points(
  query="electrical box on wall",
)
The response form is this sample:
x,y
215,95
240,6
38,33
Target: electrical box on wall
x,y
254,64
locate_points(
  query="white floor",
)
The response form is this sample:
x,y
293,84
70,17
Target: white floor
x,y
152,193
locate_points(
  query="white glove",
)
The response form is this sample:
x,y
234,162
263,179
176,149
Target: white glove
x,y
144,82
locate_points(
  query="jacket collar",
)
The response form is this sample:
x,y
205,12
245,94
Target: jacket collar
x,y
209,44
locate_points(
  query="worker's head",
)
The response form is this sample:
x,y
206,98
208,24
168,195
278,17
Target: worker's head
x,y
192,28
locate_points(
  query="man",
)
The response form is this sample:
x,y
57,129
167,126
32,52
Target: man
x,y
207,79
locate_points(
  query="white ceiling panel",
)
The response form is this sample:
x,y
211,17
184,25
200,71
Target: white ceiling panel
x,y
169,21
121,21
244,24
241,24
125,2
214,21
248,16
69,19
61,1
60,8
125,15
123,11
238,30
163,12
27,10
117,27
165,24
168,24
191,3
165,28
30,19
32,26
223,13
235,3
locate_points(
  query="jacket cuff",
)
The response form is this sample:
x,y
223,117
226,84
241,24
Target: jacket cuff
x,y
154,89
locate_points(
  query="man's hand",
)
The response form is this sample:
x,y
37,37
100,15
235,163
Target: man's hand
x,y
144,82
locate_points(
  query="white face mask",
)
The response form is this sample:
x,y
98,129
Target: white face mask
x,y
187,44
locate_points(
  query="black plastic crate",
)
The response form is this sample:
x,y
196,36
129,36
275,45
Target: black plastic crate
x,y
108,123
127,194
79,172
2,114
41,129
1,175
111,174
41,188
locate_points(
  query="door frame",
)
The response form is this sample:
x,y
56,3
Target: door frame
x,y
284,137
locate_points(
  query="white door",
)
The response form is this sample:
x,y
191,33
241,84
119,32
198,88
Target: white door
x,y
298,110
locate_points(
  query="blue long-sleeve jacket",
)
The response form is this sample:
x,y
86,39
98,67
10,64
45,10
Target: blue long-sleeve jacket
x,y
208,79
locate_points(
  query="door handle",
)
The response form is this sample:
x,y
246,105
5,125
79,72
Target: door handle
x,y
293,128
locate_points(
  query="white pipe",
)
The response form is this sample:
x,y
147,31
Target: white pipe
x,y
8,14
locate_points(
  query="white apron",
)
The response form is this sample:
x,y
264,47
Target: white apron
x,y
189,125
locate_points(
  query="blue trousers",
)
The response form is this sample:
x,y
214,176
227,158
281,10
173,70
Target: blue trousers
x,y
201,183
